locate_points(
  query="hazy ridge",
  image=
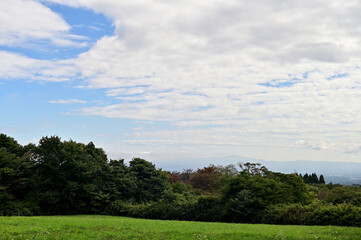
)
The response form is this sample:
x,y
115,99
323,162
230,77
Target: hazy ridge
x,y
347,173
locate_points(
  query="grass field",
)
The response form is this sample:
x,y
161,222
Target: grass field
x,y
107,227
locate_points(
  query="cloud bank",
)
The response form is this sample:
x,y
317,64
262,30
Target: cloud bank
x,y
272,74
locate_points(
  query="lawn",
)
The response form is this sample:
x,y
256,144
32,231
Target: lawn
x,y
108,227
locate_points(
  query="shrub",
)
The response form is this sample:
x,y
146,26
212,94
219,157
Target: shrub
x,y
316,213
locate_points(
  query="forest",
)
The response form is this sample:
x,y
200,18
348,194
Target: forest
x,y
57,177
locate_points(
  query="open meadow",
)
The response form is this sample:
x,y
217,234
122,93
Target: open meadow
x,y
109,227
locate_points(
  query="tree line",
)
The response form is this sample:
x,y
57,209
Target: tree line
x,y
58,177
312,178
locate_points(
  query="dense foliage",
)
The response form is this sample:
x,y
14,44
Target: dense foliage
x,y
59,177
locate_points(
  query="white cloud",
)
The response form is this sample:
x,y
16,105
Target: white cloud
x,y
22,21
202,65
68,101
319,145
16,66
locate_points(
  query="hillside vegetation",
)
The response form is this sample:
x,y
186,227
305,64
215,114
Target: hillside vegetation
x,y
59,177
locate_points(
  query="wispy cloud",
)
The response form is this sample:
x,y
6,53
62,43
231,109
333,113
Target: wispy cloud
x,y
316,145
17,66
68,101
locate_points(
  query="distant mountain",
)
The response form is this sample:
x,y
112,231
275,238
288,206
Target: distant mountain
x,y
346,173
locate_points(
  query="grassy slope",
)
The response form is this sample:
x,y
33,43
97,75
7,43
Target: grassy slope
x,y
107,227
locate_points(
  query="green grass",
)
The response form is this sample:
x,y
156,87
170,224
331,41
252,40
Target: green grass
x,y
107,227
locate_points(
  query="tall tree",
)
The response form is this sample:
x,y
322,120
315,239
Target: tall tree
x,y
122,183
16,178
150,182
72,176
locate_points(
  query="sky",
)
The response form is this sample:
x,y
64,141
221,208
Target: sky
x,y
172,80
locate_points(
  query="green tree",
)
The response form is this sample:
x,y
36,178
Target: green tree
x,y
122,183
16,178
252,191
72,176
11,145
150,182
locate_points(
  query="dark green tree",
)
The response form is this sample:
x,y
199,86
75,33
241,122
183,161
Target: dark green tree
x,y
11,145
16,178
71,176
150,182
256,190
122,183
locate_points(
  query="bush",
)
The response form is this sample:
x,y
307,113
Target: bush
x,y
314,214
173,206
208,208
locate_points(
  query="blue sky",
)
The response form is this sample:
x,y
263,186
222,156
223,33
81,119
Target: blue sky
x,y
169,81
